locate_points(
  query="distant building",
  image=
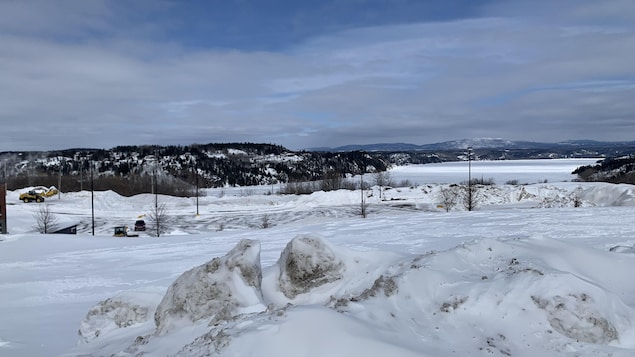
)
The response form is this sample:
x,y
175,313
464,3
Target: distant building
x,y
68,230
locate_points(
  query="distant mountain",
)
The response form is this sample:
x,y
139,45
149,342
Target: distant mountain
x,y
370,147
478,143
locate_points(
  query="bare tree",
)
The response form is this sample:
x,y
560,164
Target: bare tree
x,y
158,220
382,179
331,181
471,197
266,222
448,196
45,220
363,206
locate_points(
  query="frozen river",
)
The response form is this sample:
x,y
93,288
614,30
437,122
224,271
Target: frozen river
x,y
525,171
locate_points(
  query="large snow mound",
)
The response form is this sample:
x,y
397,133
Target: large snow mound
x,y
218,289
307,263
519,297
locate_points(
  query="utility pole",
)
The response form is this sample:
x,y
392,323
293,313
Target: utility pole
x,y
469,165
59,184
156,186
196,176
92,196
3,210
5,177
81,176
470,198
361,186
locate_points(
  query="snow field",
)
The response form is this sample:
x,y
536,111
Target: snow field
x,y
527,274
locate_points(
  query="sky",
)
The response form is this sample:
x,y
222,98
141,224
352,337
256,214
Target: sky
x,y
303,74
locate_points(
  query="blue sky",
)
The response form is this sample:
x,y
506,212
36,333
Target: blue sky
x,y
103,73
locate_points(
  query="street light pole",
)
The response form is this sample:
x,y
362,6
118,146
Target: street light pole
x,y
469,165
196,175
5,176
92,196
469,179
59,183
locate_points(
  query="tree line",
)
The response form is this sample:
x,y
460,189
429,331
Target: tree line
x,y
130,170
614,170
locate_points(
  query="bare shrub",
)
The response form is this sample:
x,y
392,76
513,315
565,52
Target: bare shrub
x,y
406,183
383,178
45,220
158,220
266,222
480,181
247,192
349,185
331,181
299,188
449,196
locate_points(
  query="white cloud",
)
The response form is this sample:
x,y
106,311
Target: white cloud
x,y
418,82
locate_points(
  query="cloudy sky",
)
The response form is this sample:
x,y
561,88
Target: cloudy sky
x,y
102,73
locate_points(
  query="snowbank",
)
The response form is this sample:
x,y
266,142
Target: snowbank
x,y
522,297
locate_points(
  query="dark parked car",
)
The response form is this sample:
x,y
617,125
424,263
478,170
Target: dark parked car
x,y
140,225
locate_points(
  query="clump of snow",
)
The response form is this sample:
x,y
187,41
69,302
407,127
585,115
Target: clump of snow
x,y
220,289
121,311
573,316
306,263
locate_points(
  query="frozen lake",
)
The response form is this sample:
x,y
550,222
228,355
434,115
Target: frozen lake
x,y
525,171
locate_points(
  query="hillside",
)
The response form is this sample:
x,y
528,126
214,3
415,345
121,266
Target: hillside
x,y
614,170
130,170
134,168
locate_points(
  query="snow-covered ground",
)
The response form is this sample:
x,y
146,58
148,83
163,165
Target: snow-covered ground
x,y
526,274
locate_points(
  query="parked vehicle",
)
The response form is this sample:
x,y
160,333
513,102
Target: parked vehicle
x,y
140,225
122,231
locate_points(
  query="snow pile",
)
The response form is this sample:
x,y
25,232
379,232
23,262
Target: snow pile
x,y
492,297
121,311
307,263
218,289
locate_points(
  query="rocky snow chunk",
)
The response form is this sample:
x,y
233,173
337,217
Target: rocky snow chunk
x,y
306,263
219,289
121,311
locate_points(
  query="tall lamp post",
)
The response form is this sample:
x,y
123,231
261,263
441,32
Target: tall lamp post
x,y
92,196
470,201
5,176
196,177
469,166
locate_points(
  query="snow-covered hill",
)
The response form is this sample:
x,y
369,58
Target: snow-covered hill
x,y
541,269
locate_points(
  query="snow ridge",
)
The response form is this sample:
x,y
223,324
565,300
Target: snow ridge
x,y
400,305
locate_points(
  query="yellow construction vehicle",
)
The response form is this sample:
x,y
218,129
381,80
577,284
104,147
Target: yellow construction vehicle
x,y
49,192
38,194
122,231
31,196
